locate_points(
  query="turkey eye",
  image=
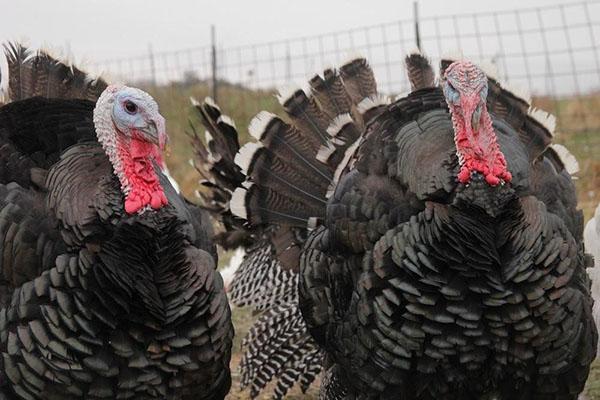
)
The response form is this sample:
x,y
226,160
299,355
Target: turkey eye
x,y
130,107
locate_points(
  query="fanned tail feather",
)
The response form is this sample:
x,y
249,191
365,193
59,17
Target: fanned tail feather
x,y
419,71
292,169
39,74
215,163
287,174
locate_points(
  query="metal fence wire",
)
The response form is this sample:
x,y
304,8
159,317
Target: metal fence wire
x,y
551,51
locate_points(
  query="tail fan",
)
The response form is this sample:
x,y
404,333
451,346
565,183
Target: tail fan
x,y
220,175
286,176
292,166
419,71
39,74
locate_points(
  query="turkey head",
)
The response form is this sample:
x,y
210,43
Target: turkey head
x,y
465,89
132,133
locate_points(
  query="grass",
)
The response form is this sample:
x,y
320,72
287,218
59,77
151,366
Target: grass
x,y
242,104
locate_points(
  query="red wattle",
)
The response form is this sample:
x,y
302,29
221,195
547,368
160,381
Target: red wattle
x,y
138,158
479,150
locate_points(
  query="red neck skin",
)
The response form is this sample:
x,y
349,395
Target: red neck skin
x,y
479,151
137,160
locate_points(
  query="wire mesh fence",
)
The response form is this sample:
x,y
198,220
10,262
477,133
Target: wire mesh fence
x,y
551,51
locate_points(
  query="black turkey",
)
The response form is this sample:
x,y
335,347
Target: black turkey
x,y
444,256
109,288
278,346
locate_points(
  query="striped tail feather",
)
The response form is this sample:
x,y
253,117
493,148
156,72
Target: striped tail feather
x,y
288,173
40,74
291,168
419,71
215,162
279,345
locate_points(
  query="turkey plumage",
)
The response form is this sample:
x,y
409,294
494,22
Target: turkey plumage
x,y
444,254
278,347
108,275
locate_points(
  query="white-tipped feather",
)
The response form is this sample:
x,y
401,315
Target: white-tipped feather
x,y
312,223
415,50
369,103
351,56
285,92
234,263
546,119
567,158
226,120
591,238
342,165
338,123
209,100
207,137
325,151
194,101
237,205
517,91
402,95
259,123
171,179
245,155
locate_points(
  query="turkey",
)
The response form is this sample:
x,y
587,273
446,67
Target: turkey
x,y
109,287
278,347
444,255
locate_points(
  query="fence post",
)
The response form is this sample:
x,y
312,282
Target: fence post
x,y
416,20
214,62
152,66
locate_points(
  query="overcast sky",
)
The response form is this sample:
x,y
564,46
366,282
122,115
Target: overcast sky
x,y
106,29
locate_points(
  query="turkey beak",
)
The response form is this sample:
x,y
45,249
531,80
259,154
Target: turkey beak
x,y
155,131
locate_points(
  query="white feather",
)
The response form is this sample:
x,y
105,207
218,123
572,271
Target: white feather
x,y
209,100
338,123
591,237
171,179
567,158
245,155
402,95
194,101
259,124
325,151
284,93
227,120
351,56
546,119
517,91
237,205
369,103
342,165
228,271
207,137
415,50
